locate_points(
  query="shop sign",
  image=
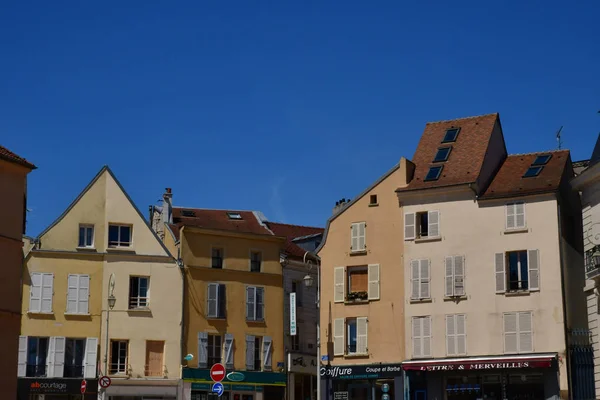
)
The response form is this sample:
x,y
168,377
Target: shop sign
x,y
28,386
303,364
374,371
478,365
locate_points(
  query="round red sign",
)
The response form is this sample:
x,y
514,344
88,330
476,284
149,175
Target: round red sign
x,y
104,381
217,372
83,386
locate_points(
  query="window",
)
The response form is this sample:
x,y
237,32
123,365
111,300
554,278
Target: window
x,y
419,278
37,353
518,332
41,292
74,354
214,349
155,350
119,235
86,236
442,154
255,303
421,336
255,261
542,160
118,357
532,171
217,258
139,292
373,200
515,215
434,173
295,340
254,351
451,135
455,276
297,288
257,353
357,240
216,301
422,225
358,283
351,336
517,271
78,294
234,215
456,335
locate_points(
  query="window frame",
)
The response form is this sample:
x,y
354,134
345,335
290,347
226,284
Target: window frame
x,y
252,261
422,336
214,359
40,364
120,244
519,270
373,200
433,177
355,228
255,303
348,282
518,332
71,362
347,322
41,295
420,279
86,228
212,257
78,289
220,304
537,163
118,371
452,139
138,297
533,171
448,150
514,205
456,336
258,350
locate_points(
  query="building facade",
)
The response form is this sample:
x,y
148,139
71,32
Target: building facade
x,y
362,321
13,206
233,300
492,267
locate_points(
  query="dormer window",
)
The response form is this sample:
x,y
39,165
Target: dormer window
x,y
434,173
234,215
542,160
451,135
442,154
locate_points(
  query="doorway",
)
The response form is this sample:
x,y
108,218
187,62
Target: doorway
x,y
360,392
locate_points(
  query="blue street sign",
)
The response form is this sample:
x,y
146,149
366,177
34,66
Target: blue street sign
x,y
218,388
385,388
385,396
324,358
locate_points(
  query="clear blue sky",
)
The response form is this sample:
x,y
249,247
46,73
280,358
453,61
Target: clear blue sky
x,y
283,107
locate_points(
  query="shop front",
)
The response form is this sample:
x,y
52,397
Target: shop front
x,y
517,377
302,380
134,389
362,382
238,385
56,389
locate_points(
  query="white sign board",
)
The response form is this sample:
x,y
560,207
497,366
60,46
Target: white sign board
x,y
293,314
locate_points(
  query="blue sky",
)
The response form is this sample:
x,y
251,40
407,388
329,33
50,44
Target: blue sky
x,y
279,106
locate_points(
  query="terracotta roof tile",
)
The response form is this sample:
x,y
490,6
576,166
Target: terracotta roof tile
x,y
217,219
509,180
8,155
291,232
466,157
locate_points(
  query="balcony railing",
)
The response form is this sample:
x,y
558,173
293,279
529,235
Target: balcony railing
x,y
138,302
73,371
592,262
36,370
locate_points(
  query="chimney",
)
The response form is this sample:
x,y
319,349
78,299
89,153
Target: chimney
x,y
167,207
339,205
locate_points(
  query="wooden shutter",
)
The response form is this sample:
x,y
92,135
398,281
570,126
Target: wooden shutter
x,y
228,351
250,352
221,301
520,215
338,336
433,219
451,335
525,327
59,357
211,300
260,303
47,292
267,343
426,325
362,236
510,216
354,237
461,334
362,331
72,293
533,263
374,282
415,279
459,275
83,295
202,350
417,339
22,362
409,226
424,284
35,293
338,282
91,358
250,301
500,273
449,278
510,333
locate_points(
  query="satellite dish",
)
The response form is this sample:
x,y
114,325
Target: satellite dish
x,y
189,357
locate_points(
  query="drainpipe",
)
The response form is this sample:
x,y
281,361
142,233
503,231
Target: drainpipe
x,y
182,337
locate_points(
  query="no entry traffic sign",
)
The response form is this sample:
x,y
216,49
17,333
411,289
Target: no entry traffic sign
x,y
217,372
83,386
104,382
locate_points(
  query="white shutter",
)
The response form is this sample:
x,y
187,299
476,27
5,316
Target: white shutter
x,y
22,369
35,293
533,263
72,293
229,351
424,284
451,335
500,273
59,357
520,215
211,300
510,216
449,279
374,281
361,335
426,336
362,236
47,292
49,357
415,279
525,327
83,294
409,226
250,303
91,358
338,336
354,237
267,345
459,275
510,333
338,279
250,352
202,349
461,334
417,339
433,219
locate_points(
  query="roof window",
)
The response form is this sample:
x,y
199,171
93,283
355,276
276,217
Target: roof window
x,y
442,154
532,171
451,135
188,213
234,215
542,160
434,173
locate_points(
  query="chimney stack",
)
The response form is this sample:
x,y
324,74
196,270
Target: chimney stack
x,y
339,205
167,207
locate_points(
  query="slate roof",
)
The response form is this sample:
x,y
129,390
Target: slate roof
x,y
292,232
8,155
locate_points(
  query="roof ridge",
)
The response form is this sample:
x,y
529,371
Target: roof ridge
x,y
298,226
460,119
538,152
214,209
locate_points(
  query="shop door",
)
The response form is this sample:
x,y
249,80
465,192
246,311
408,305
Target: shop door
x,y
359,392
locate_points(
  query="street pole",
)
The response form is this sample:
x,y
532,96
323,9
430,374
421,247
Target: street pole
x,y
318,301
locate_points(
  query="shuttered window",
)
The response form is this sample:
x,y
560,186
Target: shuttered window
x,y
216,300
358,236
518,332
421,336
456,335
422,225
78,294
228,351
374,282
420,277
515,216
255,303
339,275
517,271
41,292
338,336
455,276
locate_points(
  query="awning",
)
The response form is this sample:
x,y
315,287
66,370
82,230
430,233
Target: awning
x,y
482,363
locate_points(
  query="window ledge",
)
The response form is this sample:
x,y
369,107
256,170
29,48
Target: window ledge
x,y
40,312
72,314
217,318
373,204
455,298
358,252
356,301
356,355
428,239
517,293
415,301
139,309
85,248
121,249
517,230
256,321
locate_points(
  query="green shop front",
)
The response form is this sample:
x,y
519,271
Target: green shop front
x,y
244,385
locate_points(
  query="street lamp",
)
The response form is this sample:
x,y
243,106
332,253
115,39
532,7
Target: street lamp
x,y
111,304
309,281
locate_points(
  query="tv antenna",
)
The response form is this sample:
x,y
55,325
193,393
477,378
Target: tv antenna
x,y
558,139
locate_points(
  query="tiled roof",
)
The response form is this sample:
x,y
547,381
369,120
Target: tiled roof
x,y
217,219
292,232
509,180
580,166
8,155
466,157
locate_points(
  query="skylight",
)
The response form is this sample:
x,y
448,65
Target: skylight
x,y
542,160
451,135
442,154
532,171
234,215
434,173
188,213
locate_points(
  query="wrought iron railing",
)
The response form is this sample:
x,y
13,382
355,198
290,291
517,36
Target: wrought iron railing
x,y
73,371
592,267
36,370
